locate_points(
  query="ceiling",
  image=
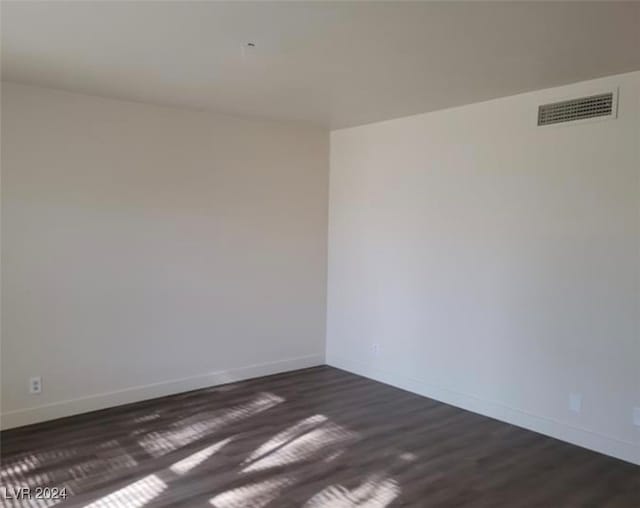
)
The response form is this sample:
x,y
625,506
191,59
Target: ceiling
x,y
334,64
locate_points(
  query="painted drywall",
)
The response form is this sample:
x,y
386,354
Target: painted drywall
x,y
150,250
494,263
341,63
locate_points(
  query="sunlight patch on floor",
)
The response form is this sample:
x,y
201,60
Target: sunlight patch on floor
x,y
161,443
110,459
286,435
318,441
375,492
187,464
22,468
19,467
135,495
23,474
255,495
300,447
147,418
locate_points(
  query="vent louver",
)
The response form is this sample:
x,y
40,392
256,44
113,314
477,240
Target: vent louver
x,y
577,109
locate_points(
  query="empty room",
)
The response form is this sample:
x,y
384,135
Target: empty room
x,y
320,254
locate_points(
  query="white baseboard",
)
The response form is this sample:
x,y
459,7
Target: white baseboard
x,y
627,451
19,417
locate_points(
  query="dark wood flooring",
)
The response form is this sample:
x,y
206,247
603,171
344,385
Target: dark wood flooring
x,y
318,437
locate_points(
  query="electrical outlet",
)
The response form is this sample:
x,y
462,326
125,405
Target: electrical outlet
x,y
35,385
636,416
575,402
375,349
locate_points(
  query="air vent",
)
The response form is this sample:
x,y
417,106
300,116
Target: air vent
x,y
601,105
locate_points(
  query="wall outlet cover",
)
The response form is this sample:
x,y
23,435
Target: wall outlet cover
x,y
575,402
636,416
35,385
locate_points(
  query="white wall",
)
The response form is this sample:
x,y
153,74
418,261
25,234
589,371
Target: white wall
x,y
496,263
150,250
